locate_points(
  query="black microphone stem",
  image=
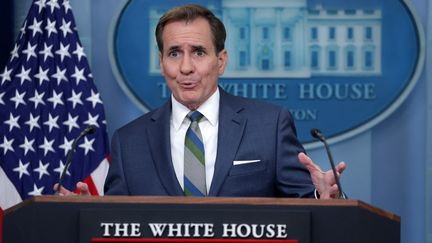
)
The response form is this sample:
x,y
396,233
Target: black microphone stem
x,y
317,134
342,195
67,164
89,130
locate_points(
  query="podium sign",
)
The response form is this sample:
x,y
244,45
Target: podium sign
x,y
207,222
180,219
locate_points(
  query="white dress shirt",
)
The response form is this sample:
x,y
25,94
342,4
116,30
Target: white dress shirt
x,y
209,124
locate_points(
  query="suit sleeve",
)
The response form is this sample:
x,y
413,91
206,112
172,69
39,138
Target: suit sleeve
x,y
292,178
115,183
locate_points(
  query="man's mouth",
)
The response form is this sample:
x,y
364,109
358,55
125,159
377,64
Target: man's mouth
x,y
188,84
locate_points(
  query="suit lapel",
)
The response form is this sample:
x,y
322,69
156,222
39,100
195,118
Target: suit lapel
x,y
159,138
231,128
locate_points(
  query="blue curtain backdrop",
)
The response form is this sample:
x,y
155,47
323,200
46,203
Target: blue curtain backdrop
x,y
387,165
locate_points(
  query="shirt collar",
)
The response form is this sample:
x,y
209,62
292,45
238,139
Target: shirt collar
x,y
210,110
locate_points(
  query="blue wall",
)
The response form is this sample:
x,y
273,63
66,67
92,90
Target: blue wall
x,y
386,165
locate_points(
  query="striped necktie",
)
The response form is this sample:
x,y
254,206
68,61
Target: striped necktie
x,y
194,160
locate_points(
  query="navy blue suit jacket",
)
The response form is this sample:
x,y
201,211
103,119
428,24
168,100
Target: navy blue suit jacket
x,y
248,130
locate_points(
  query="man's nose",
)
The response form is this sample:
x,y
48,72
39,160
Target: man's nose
x,y
186,65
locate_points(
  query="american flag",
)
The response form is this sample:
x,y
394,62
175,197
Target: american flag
x,y
47,97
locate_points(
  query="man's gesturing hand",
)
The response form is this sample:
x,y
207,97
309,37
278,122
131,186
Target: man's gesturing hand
x,y
82,189
324,182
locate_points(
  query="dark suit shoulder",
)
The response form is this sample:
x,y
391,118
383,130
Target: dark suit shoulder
x,y
241,104
143,121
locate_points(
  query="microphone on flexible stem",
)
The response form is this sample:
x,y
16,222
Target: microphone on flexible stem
x,y
316,133
89,130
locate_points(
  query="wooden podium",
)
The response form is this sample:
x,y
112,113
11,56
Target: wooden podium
x,y
180,219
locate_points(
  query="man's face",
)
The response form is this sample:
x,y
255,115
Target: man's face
x,y
189,61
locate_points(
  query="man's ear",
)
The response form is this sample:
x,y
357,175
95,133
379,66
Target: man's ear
x,y
160,63
222,61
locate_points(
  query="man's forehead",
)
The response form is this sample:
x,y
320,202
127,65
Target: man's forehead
x,y
179,35
197,25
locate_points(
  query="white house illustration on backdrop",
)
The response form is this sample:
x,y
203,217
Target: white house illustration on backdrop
x,y
277,38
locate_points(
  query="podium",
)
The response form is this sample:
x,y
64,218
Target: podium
x,y
88,219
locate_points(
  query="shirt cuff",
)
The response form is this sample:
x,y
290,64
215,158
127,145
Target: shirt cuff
x,y
316,194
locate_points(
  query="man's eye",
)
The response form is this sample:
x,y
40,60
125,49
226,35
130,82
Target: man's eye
x,y
173,54
200,53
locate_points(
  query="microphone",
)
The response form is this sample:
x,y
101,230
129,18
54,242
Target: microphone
x,y
89,130
316,133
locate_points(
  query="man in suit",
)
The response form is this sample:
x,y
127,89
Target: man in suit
x,y
248,148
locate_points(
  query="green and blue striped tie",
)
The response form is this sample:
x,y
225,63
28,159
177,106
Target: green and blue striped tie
x,y
194,159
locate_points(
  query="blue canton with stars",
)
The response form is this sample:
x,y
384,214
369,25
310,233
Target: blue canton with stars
x,y
47,97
